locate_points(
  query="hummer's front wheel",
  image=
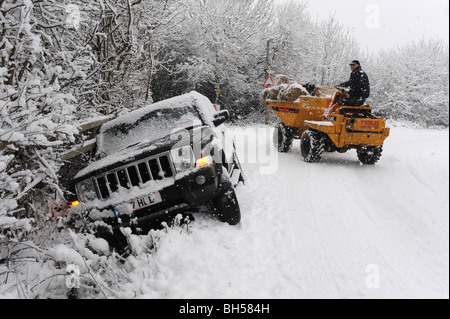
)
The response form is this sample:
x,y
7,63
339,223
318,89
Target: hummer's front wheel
x,y
226,207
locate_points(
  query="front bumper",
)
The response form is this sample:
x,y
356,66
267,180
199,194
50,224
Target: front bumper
x,y
177,197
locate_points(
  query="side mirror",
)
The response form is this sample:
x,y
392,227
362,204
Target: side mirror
x,y
221,117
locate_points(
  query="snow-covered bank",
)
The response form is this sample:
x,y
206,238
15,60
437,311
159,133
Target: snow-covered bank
x,y
336,229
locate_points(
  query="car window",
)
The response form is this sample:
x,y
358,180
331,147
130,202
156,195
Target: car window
x,y
149,127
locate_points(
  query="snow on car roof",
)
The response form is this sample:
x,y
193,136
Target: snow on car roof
x,y
193,98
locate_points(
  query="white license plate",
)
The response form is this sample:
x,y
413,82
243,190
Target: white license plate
x,y
146,201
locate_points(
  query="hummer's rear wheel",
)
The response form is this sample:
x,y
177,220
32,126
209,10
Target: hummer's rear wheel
x,y
370,155
312,146
283,137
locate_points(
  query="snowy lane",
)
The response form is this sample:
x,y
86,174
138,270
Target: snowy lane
x,y
369,231
336,229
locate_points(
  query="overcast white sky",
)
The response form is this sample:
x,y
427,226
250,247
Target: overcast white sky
x,y
385,24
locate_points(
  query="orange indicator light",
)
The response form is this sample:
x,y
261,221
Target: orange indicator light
x,y
75,203
203,161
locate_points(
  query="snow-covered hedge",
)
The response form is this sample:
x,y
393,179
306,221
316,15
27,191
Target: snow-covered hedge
x,y
36,117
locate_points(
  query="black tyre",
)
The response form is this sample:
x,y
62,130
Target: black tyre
x,y
237,164
370,155
226,207
312,146
283,137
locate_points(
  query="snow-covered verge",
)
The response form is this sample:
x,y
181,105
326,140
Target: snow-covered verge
x,y
336,229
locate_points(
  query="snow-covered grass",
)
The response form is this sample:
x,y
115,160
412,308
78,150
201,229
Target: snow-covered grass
x,y
336,229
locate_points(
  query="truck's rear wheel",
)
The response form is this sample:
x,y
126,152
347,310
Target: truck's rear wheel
x,y
370,155
312,146
226,207
283,137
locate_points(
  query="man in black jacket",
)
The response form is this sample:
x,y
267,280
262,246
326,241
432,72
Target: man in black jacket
x,y
359,86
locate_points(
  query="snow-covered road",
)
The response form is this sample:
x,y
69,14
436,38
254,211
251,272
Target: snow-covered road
x,y
336,229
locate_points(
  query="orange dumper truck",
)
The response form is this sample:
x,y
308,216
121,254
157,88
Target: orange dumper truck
x,y
323,124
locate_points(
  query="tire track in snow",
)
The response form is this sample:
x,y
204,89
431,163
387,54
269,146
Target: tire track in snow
x,y
276,229
371,237
303,218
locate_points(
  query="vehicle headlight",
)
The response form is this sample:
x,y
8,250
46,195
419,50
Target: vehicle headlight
x,y
183,159
86,190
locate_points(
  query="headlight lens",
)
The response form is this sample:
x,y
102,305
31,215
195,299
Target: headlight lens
x,y
183,159
86,190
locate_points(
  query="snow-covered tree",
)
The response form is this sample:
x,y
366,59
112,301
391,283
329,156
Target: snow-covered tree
x,y
108,32
334,48
160,37
227,39
314,52
119,41
412,83
35,114
292,45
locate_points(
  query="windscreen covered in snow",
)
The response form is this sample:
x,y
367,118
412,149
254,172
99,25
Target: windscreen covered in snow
x,y
154,122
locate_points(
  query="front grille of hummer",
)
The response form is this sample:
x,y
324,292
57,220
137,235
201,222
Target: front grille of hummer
x,y
154,168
